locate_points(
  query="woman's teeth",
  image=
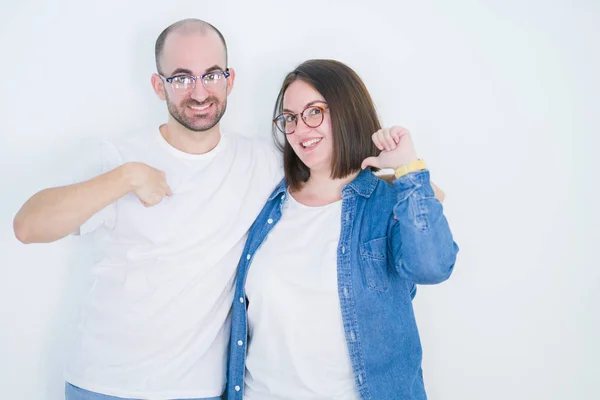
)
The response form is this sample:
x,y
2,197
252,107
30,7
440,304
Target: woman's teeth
x,y
310,143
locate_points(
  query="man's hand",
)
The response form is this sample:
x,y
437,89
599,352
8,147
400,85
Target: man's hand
x,y
148,184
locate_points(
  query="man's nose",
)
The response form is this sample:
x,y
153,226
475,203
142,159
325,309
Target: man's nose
x,y
199,93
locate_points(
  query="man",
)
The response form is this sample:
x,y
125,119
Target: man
x,y
172,209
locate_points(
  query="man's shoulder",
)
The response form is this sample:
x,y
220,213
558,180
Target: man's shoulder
x,y
258,147
128,146
259,156
239,140
108,152
132,140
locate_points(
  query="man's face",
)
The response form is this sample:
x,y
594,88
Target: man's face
x,y
196,108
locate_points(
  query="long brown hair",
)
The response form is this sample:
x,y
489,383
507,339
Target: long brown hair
x,y
353,118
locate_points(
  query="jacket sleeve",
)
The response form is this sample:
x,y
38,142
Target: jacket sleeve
x,y
420,241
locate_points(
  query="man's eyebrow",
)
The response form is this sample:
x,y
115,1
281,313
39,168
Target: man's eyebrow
x,y
179,71
307,105
186,71
214,68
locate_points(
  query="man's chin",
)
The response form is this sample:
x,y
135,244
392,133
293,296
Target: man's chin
x,y
198,124
201,127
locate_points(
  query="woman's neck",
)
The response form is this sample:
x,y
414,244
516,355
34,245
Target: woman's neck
x,y
321,189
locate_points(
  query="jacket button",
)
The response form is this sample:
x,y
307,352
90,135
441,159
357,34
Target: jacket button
x,y
237,388
270,221
240,343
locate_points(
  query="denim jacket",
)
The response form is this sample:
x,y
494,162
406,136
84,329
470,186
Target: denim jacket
x,y
391,238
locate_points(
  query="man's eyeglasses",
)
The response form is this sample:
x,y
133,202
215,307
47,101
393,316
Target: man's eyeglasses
x,y
311,115
212,81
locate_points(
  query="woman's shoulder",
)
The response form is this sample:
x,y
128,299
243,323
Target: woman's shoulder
x,y
385,186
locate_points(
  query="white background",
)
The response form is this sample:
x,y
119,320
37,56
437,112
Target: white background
x,y
502,98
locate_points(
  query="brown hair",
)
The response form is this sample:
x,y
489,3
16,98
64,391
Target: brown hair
x,y
353,118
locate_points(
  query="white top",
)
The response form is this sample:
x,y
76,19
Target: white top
x,y
296,347
155,323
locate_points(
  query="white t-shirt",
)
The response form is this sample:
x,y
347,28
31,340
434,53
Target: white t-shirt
x,y
155,323
296,343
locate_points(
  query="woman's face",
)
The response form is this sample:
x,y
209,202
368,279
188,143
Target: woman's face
x,y
313,145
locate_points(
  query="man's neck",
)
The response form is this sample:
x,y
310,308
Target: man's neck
x,y
189,141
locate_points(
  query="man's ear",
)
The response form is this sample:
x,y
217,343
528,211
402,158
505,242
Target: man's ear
x,y
159,86
230,80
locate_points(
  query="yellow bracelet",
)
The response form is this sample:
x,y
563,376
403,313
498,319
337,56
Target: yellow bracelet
x,y
414,166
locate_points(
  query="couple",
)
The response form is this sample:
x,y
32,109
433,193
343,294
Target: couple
x,y
320,267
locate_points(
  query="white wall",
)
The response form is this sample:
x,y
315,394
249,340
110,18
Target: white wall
x,y
502,98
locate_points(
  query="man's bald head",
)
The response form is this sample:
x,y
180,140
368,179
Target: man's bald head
x,y
189,26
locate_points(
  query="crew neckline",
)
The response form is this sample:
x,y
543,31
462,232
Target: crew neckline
x,y
296,203
191,157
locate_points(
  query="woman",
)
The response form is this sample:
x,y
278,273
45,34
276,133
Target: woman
x,y
324,289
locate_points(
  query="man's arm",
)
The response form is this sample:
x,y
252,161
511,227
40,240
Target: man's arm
x,y
54,213
439,193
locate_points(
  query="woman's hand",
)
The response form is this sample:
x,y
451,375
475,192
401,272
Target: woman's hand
x,y
396,147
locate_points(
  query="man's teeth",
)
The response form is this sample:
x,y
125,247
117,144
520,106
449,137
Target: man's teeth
x,y
200,108
310,143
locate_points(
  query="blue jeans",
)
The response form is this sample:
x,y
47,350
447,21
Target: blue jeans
x,y
76,393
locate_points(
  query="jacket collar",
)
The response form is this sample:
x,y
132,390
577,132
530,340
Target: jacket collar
x,y
281,188
364,185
